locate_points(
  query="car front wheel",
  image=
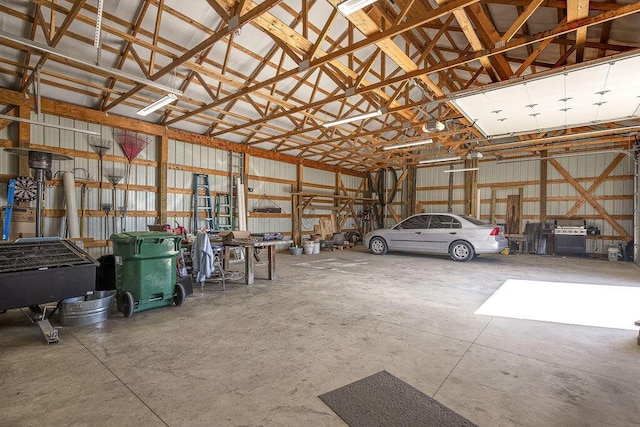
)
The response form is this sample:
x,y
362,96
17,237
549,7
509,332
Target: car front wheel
x,y
461,251
378,246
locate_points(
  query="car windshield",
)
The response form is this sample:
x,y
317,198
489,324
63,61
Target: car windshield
x,y
473,220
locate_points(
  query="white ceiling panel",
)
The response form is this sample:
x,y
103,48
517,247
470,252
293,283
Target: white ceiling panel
x,y
601,92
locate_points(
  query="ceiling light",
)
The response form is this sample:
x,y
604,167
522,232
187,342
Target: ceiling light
x,y
433,126
474,155
460,170
49,125
349,6
438,160
376,113
162,102
408,144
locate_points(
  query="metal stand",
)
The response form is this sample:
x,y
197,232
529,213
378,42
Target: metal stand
x,y
39,317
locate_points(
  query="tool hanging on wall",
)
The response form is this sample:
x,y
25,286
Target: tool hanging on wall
x,y
100,146
114,175
83,194
270,207
132,143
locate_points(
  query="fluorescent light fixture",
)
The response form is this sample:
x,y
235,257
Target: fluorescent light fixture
x,y
408,144
438,160
347,7
40,47
344,120
460,170
49,125
162,102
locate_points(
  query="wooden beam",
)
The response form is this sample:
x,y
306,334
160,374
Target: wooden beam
x,y
544,176
578,9
156,34
24,140
597,183
163,181
590,199
520,20
119,122
55,39
245,19
296,209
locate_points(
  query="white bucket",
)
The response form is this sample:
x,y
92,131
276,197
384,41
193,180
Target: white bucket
x,y
613,253
316,247
308,248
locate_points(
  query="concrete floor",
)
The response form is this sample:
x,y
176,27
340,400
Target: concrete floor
x,y
261,355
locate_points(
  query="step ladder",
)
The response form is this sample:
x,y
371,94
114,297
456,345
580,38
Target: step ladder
x,y
223,212
202,205
9,210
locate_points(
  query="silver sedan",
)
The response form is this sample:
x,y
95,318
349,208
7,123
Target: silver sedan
x,y
460,236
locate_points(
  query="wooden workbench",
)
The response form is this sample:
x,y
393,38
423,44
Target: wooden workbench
x,y
250,261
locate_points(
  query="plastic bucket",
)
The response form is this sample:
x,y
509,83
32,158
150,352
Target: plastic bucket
x,y
308,248
613,253
316,247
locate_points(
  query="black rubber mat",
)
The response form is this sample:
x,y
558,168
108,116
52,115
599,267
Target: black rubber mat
x,y
384,400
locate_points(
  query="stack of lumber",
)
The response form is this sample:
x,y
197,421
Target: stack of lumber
x,y
327,227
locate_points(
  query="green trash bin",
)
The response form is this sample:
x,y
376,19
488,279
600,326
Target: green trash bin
x,y
145,264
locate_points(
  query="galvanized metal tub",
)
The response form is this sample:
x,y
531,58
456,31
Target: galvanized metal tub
x,y
96,307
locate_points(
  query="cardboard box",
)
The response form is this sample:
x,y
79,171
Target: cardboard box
x,y
227,236
21,214
23,222
22,229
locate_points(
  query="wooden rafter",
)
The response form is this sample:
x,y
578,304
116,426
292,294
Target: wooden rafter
x,y
55,39
248,17
578,9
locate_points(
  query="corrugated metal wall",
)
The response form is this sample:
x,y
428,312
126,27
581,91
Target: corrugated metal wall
x,y
185,160
270,181
614,194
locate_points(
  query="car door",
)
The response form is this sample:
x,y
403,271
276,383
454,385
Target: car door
x,y
443,229
408,234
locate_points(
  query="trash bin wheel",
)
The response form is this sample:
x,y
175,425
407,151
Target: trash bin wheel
x,y
128,304
178,299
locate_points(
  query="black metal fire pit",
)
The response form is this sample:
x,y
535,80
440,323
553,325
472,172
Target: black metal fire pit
x,y
38,271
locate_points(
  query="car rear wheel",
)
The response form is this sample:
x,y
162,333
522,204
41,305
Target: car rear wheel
x,y
378,246
461,251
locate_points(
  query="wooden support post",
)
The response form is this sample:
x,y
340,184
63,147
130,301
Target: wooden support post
x,y
493,205
163,186
543,187
521,201
450,192
410,197
471,187
296,207
24,140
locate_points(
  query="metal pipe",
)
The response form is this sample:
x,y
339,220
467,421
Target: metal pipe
x,y
39,197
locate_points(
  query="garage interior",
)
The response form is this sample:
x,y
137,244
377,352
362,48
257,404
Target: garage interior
x,y
303,119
